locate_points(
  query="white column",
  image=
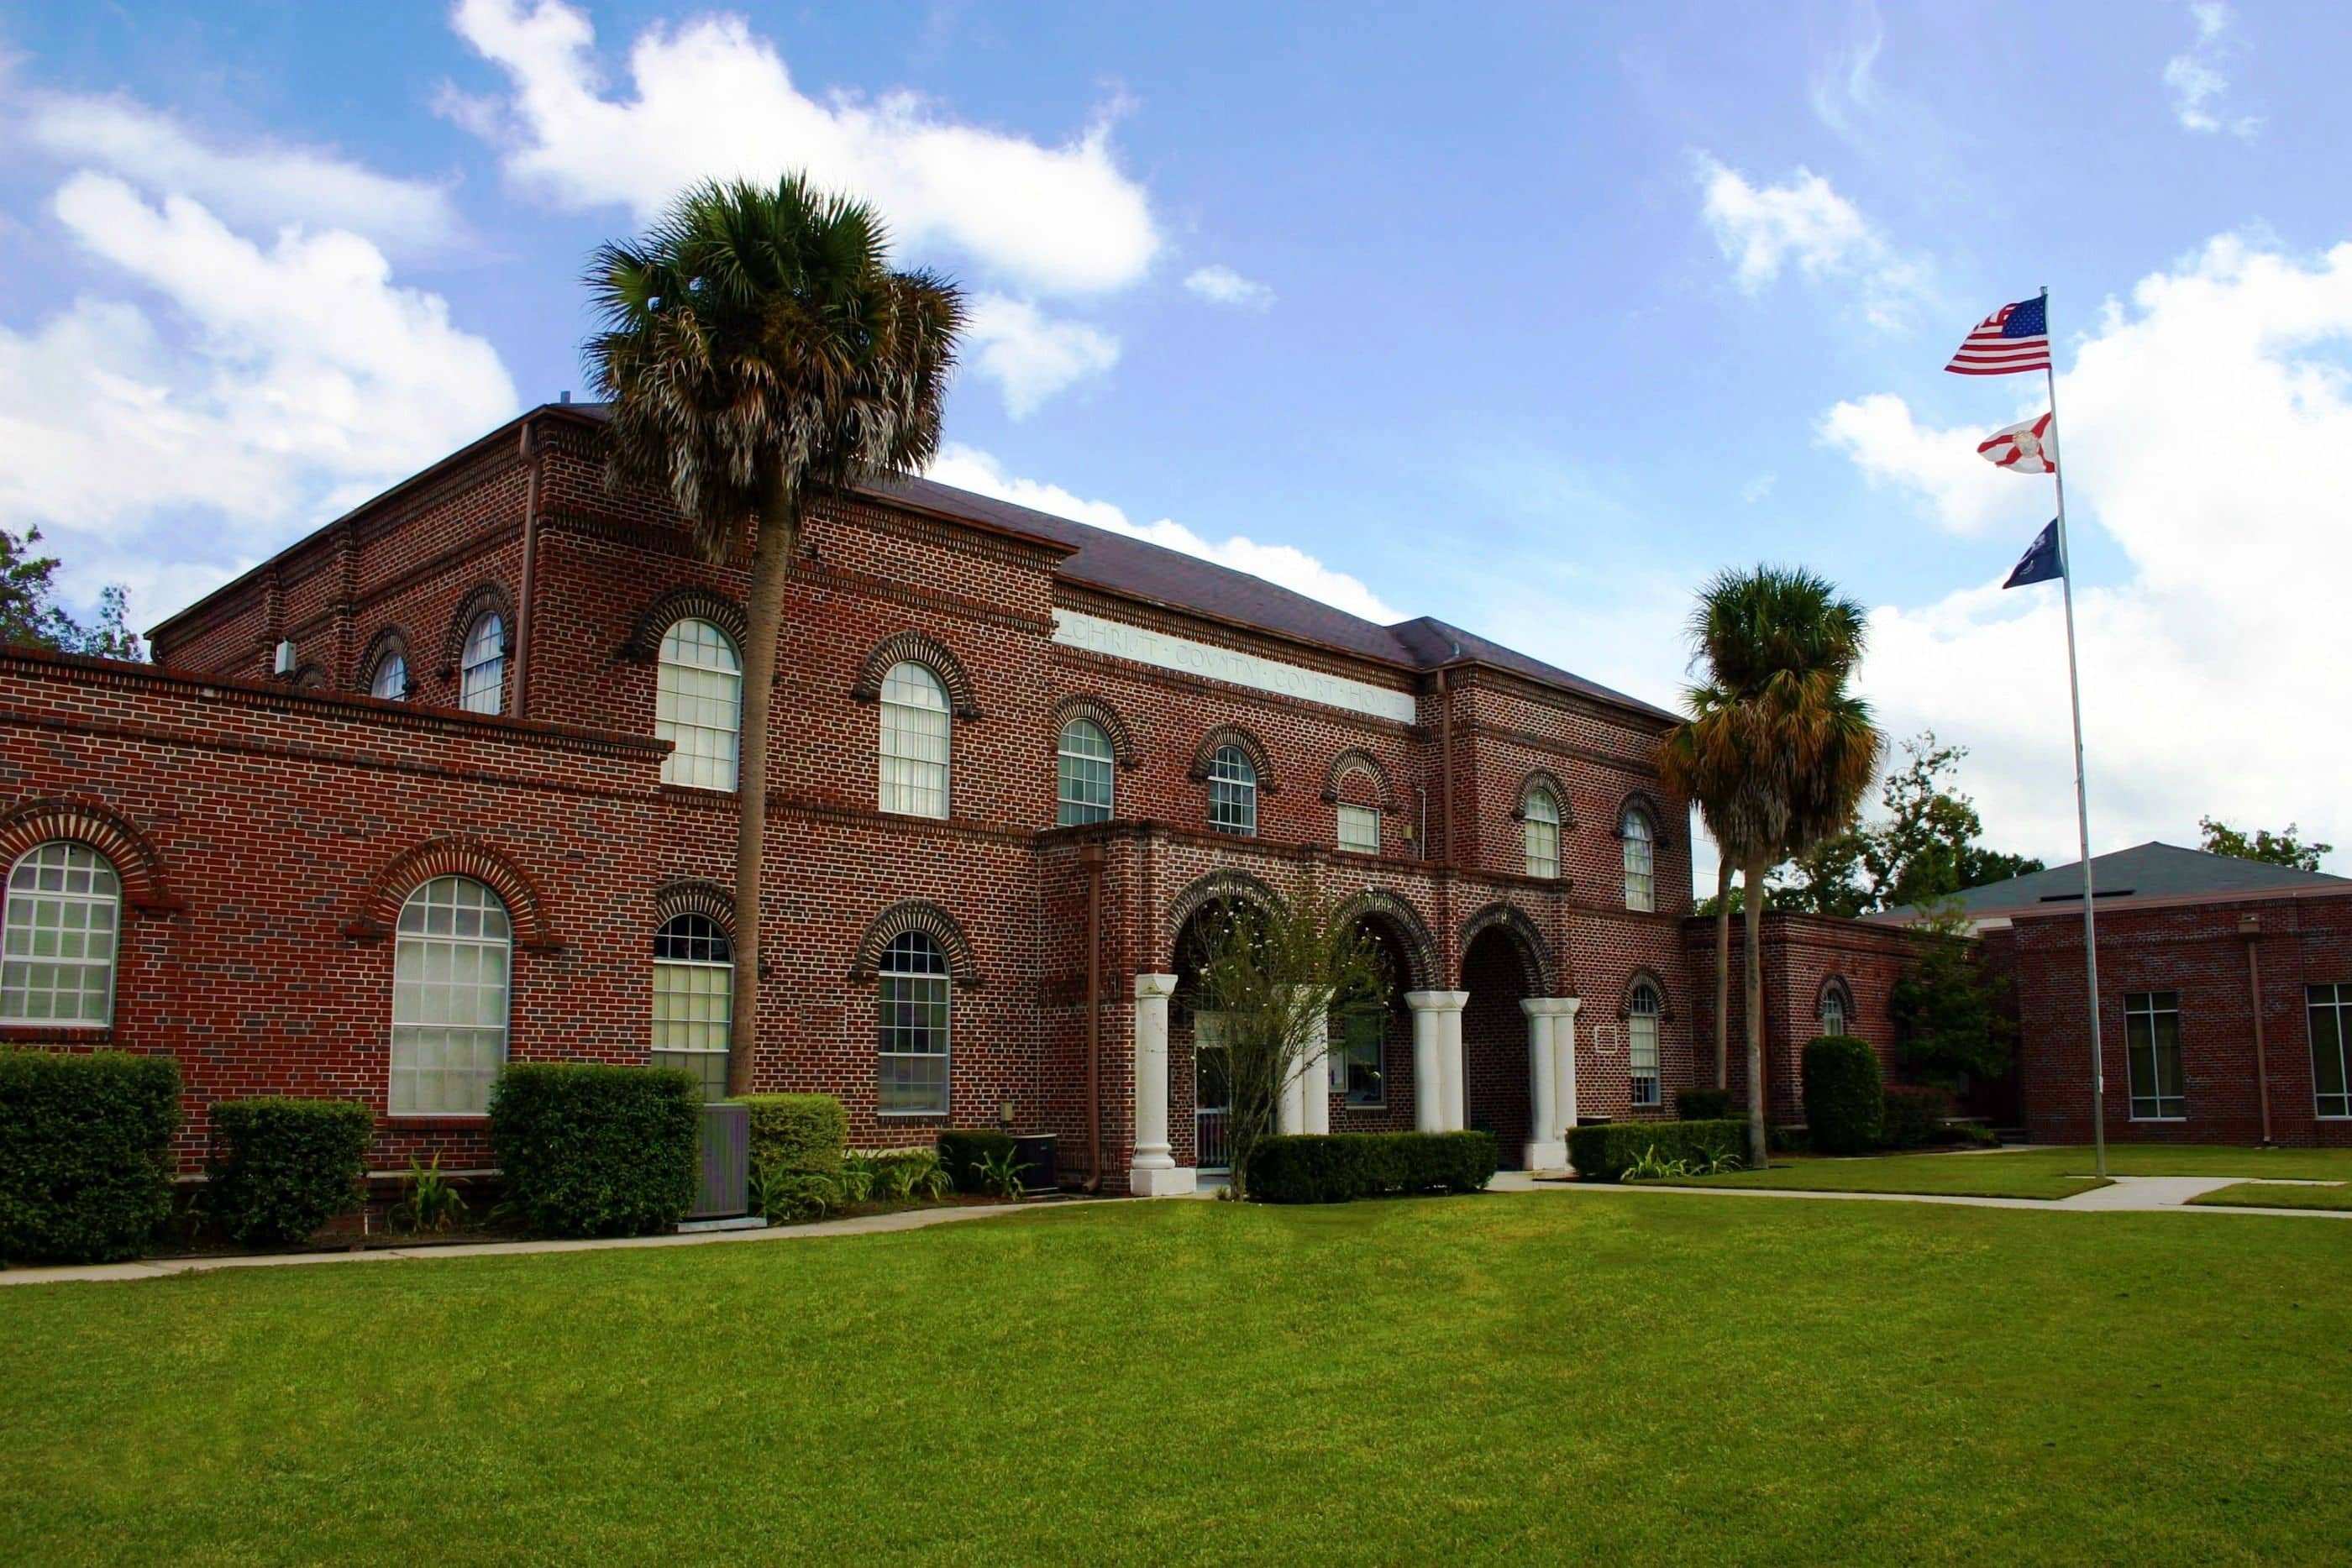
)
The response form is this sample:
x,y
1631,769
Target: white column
x,y
1551,1066
1449,1062
1428,1085
1289,1111
1315,1067
1154,1172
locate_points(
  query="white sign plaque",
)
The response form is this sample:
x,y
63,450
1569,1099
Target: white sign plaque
x,y
1121,640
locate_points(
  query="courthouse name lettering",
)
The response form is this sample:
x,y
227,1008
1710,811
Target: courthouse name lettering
x,y
1121,640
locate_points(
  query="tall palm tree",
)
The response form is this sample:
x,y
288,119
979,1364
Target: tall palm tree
x,y
760,354
1777,751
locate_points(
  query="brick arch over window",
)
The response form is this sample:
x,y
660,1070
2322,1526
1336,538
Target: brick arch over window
x,y
695,896
136,864
1833,986
1658,987
1403,921
1355,759
488,596
691,604
1216,887
914,647
459,855
386,643
1641,801
1523,930
930,919
1545,780
310,678
1101,714
1249,745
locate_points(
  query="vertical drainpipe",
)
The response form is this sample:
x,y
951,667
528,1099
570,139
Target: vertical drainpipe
x,y
1090,861
535,458
2250,927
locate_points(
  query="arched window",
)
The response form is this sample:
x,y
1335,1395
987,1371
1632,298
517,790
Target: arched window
x,y
1641,1011
482,672
391,679
1233,792
1357,825
65,903
694,999
1833,1008
1641,860
449,967
1084,789
698,704
911,1077
914,741
1542,824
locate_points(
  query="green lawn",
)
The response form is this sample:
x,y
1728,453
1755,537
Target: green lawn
x,y
1520,1378
2278,1194
2032,1173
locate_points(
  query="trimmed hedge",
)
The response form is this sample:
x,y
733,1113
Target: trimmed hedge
x,y
589,1149
1914,1118
961,1150
1844,1097
1334,1167
280,1169
802,1133
85,1153
1607,1151
1704,1105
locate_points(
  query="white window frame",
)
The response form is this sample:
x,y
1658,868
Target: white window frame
x,y
1640,839
46,908
704,753
1343,1053
2338,1004
915,710
482,669
1540,839
2138,1005
1365,839
1832,996
1233,793
394,663
685,968
887,978
444,901
1081,764
1642,1031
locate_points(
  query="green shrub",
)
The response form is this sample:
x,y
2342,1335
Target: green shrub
x,y
1844,1098
902,1174
1704,1105
1914,1118
1607,1151
280,1169
965,1150
1334,1167
799,1134
85,1153
594,1150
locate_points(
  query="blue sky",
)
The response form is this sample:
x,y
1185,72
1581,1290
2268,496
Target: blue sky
x,y
1524,317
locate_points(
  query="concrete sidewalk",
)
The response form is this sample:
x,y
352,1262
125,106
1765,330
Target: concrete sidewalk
x,y
2129,1195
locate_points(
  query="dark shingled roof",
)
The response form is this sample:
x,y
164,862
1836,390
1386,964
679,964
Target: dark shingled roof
x,y
2148,871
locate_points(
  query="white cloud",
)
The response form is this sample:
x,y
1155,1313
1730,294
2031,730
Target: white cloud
x,y
2208,421
968,468
279,385
1969,494
1223,286
1029,355
2195,78
1759,488
709,97
260,184
1805,223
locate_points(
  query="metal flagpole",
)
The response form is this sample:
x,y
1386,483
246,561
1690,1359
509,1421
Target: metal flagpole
x,y
2082,794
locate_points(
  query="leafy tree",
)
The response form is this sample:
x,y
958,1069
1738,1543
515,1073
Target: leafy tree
x,y
31,617
1830,877
1946,1005
760,354
110,636
1923,849
2272,849
1273,977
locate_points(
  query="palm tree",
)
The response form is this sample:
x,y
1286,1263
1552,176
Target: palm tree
x,y
760,354
1777,751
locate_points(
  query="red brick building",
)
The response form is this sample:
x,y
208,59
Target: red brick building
x,y
450,782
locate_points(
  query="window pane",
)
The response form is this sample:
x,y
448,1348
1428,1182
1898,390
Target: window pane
x,y
391,681
697,705
914,747
1084,790
1233,792
1542,829
1360,830
2331,1050
2152,1055
911,1008
68,928
1641,880
481,681
450,964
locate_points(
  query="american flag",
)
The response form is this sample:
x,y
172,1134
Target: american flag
x,y
2012,339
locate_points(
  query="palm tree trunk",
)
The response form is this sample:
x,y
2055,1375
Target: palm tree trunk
x,y
771,562
1752,954
1722,967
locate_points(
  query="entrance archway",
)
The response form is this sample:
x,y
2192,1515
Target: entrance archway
x,y
1499,973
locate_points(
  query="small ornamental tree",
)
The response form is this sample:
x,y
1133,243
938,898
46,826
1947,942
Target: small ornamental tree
x,y
1273,977
1947,1007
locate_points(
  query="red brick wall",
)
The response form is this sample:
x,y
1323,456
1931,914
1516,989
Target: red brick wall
x,y
1801,955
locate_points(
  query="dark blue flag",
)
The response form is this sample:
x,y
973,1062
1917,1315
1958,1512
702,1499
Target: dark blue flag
x,y
2041,561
